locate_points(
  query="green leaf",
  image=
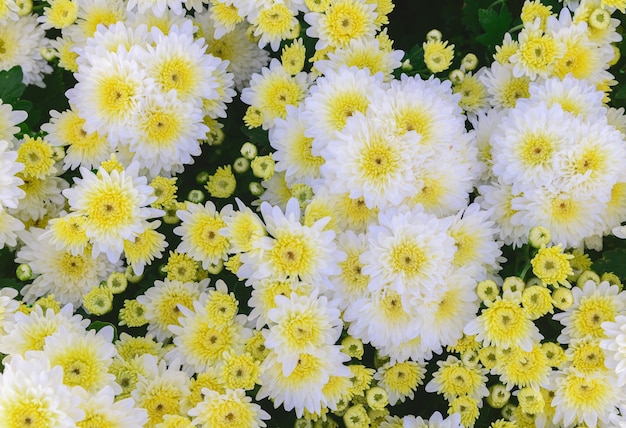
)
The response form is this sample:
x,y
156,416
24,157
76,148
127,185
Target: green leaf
x,y
494,24
612,261
11,86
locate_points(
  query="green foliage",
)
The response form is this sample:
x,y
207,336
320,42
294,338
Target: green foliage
x,y
495,25
612,261
11,86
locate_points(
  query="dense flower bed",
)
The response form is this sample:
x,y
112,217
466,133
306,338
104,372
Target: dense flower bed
x,y
238,213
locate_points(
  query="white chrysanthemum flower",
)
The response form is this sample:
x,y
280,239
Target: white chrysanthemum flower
x,y
178,61
575,96
165,133
66,275
10,191
409,251
200,232
273,90
292,250
28,332
503,87
504,323
158,7
334,98
108,92
439,189
215,107
570,217
293,153
614,346
162,300
92,13
497,199
84,356
342,21
163,390
526,145
301,324
243,228
85,149
351,283
8,307
116,206
454,378
263,296
232,408
363,53
302,389
273,22
400,380
427,107
9,10
9,119
200,340
445,311
588,398
244,57
474,238
436,420
43,197
592,165
616,118
581,56
102,409
111,38
32,393
367,159
21,41
382,319
593,305
538,52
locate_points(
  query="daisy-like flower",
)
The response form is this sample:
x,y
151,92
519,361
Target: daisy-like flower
x,y
368,160
273,90
476,248
576,96
200,341
504,323
438,55
497,199
538,52
244,57
292,250
579,397
32,393
116,205
9,119
110,38
613,346
200,232
301,324
68,275
273,22
147,246
264,294
84,357
165,133
400,380
351,283
363,53
593,305
102,409
83,148
21,40
42,198
436,420
92,13
503,87
570,217
334,98
521,368
454,378
302,389
9,226
8,307
552,266
9,10
10,191
233,408
162,300
341,22
29,332
526,145
59,14
243,228
162,390
410,251
107,95
158,7
294,149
